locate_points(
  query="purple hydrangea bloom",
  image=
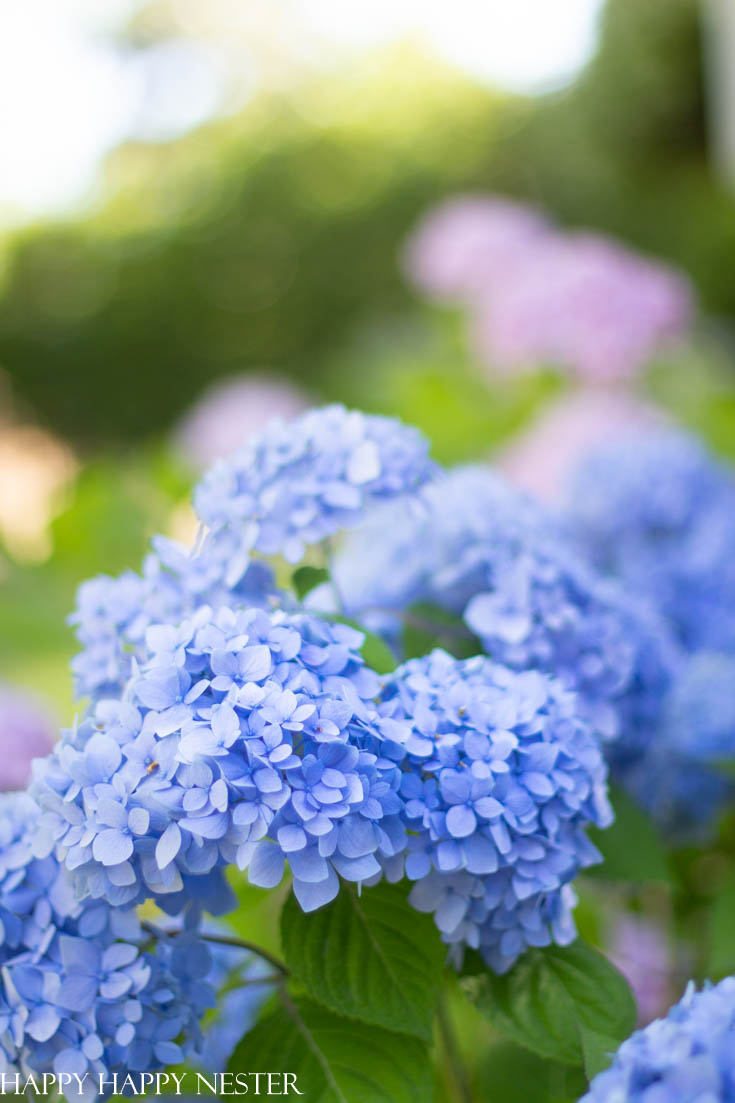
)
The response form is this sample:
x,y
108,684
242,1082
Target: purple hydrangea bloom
x,y
243,738
80,992
26,732
687,1056
657,512
500,777
584,304
470,244
300,482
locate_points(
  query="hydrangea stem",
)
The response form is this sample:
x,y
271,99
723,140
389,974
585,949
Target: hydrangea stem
x,y
452,1053
229,940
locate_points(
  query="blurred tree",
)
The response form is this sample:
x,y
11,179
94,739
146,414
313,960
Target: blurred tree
x,y
258,240
625,147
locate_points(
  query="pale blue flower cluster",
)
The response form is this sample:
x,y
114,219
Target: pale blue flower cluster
x,y
113,614
657,512
244,738
476,547
500,778
80,990
293,485
300,482
688,1056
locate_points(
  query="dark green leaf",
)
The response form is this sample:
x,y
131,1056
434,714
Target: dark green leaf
x,y
306,579
336,1060
553,999
631,847
721,950
371,957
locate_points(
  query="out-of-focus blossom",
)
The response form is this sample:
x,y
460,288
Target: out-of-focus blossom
x,y
657,512
681,776
641,952
232,411
26,732
540,460
583,304
688,1057
479,549
469,245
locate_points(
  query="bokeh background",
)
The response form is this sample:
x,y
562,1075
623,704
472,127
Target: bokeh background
x,y
202,213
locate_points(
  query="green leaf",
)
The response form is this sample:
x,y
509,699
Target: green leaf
x,y
372,957
721,948
306,579
556,1001
336,1060
377,654
597,1050
508,1073
631,847
427,626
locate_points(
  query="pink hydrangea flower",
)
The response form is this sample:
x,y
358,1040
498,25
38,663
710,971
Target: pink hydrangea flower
x,y
641,952
583,304
464,247
231,411
26,732
541,459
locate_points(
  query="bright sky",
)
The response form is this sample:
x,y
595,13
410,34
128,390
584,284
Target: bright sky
x,y
67,95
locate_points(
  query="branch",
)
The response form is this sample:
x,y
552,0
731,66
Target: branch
x,y
225,940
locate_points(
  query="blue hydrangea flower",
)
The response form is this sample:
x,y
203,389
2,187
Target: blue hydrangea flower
x,y
80,990
476,547
243,738
689,1055
658,513
678,776
113,614
500,777
302,481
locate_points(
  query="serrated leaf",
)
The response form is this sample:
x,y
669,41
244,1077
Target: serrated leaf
x,y
306,579
631,847
336,1060
372,957
552,998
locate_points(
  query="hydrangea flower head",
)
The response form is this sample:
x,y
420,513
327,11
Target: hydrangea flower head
x,y
244,738
470,244
80,991
500,777
112,615
300,482
679,776
476,547
657,512
233,410
584,304
689,1055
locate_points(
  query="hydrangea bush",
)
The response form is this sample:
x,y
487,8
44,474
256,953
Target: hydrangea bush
x,y
408,733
